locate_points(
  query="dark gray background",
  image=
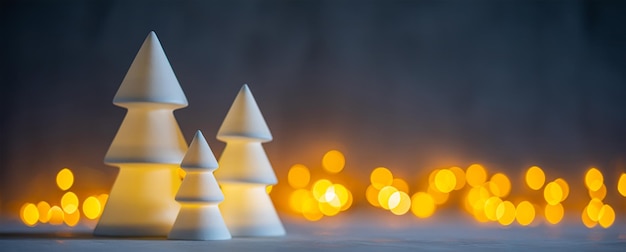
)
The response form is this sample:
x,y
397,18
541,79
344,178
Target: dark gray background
x,y
411,85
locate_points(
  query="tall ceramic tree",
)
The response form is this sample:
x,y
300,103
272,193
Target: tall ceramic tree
x,y
245,171
147,148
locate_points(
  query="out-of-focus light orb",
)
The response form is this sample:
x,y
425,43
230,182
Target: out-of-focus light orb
x,y
384,195
42,208
445,181
553,193
606,217
333,161
599,194
505,213
65,179
500,185
554,213
400,184
593,209
588,222
491,207
621,184
29,214
268,189
594,179
69,202
298,176
55,215
348,204
480,216
296,199
564,187
331,197
439,197
525,213
459,174
342,194
91,208
422,205
310,210
371,194
404,204
476,175
381,177
477,196
71,219
535,177
319,189
327,209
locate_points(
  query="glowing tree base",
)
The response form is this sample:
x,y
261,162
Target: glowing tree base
x,y
248,211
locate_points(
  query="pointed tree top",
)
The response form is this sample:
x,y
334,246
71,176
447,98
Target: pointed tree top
x,y
199,154
150,78
244,120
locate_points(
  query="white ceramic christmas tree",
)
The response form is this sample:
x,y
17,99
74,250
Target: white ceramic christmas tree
x,y
147,148
245,171
199,195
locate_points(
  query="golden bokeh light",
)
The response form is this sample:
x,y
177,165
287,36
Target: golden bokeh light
x,y
564,187
535,177
55,215
310,210
400,184
91,208
553,193
342,195
422,205
103,199
328,209
65,179
333,161
606,217
593,209
445,181
594,179
319,189
525,213
459,174
268,189
29,214
42,208
476,175
491,207
599,194
371,194
477,196
404,204
381,177
69,202
181,173
383,196
621,184
439,197
500,185
72,219
298,176
348,204
505,213
554,213
588,222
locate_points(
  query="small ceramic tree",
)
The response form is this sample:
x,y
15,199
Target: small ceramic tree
x,y
147,148
245,171
199,195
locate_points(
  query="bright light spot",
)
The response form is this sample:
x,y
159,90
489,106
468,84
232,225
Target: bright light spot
x,y
319,189
445,181
553,193
394,200
333,161
296,199
298,176
599,194
91,208
459,174
422,205
29,214
310,210
381,177
371,193
331,198
593,209
384,195
476,197
55,215
65,179
348,204
69,202
404,204
438,196
342,194
327,209
535,177
181,173
71,219
588,222
564,187
400,184
42,208
268,189
554,213
621,184
500,185
476,175
606,216
431,177
505,213
491,207
525,213
594,179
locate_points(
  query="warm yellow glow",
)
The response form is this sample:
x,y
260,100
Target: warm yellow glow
x,y
55,215
327,209
535,177
384,195
477,196
564,187
69,202
65,179
606,217
103,200
554,213
404,204
525,213
553,193
438,197
491,207
400,184
319,189
476,175
480,216
29,214
331,197
505,213
500,185
268,189
381,177
298,176
92,208
445,181
371,193
181,173
599,194
42,208
333,161
621,184
422,205
593,209
348,203
588,222
459,174
297,198
72,219
342,194
310,210
594,179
